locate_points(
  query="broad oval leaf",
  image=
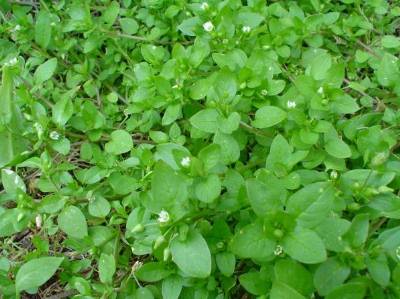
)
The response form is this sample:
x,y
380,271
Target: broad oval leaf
x,y
192,256
36,272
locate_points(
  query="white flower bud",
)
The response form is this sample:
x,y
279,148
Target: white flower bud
x,y
38,221
208,26
278,250
185,162
246,29
204,6
54,135
163,216
291,104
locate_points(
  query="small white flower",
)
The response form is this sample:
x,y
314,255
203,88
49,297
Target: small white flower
x,y
17,27
185,162
278,250
320,90
246,29
163,216
204,6
208,26
334,175
38,221
54,135
264,92
291,104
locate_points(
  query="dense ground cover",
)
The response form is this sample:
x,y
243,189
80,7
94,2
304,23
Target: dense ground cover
x,y
219,149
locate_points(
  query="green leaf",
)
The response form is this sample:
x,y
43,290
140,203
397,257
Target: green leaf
x,y
99,206
353,290
312,204
208,189
320,66
379,269
294,275
205,120
226,263
358,232
106,268
129,25
43,29
188,26
330,275
230,150
268,116
36,272
305,246
171,287
252,236
254,283
337,148
72,221
121,142
168,189
110,14
62,111
45,71
152,272
12,181
388,72
281,290
263,198
390,41
192,255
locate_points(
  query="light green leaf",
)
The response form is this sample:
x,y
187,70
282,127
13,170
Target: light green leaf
x,y
390,41
353,290
152,272
62,111
295,275
208,189
106,268
226,263
45,71
337,148
281,290
268,116
129,25
36,272
305,246
330,275
320,66
99,206
171,287
192,256
72,221
252,236
12,181
205,120
43,29
121,142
